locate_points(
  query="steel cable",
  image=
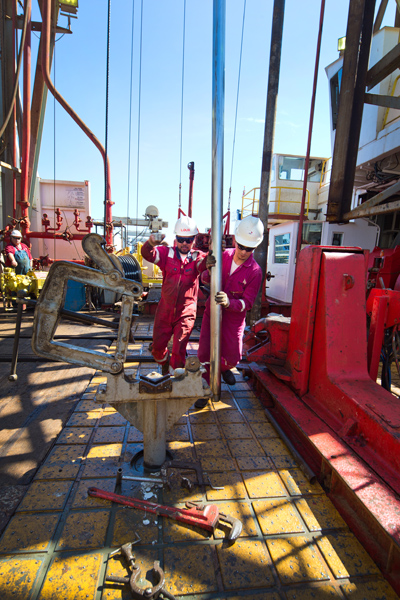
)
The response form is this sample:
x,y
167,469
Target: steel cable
x,y
16,84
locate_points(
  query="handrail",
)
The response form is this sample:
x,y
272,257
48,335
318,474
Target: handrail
x,y
324,172
254,202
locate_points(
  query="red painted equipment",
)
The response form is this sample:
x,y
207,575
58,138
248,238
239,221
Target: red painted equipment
x,y
383,306
319,390
384,268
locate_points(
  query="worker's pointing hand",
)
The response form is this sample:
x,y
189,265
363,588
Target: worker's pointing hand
x,y
210,260
222,299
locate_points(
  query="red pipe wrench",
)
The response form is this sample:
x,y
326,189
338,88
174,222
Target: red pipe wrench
x,y
206,516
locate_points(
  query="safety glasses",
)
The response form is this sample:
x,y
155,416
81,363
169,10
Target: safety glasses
x,y
245,248
189,240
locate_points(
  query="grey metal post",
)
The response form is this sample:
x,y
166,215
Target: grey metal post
x,y
218,100
261,251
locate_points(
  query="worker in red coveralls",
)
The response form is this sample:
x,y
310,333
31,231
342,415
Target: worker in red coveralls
x,y
241,280
18,254
176,311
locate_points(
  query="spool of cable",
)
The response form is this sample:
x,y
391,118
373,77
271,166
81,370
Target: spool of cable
x,y
131,268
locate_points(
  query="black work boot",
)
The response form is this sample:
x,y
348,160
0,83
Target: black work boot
x,y
165,368
228,377
201,403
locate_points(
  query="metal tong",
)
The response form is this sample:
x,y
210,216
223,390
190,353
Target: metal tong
x,y
149,592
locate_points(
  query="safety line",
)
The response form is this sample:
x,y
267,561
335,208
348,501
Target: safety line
x,y
183,79
237,103
130,122
54,156
138,137
106,123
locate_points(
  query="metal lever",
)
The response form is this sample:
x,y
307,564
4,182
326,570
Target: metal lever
x,y
51,301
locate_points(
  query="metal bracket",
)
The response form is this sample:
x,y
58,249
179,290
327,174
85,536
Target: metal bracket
x,y
52,298
154,385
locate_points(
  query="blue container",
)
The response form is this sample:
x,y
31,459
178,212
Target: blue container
x,y
75,298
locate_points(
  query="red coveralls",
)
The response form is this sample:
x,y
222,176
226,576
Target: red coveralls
x,y
242,288
176,311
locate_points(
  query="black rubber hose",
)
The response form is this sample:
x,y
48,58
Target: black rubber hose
x,y
131,268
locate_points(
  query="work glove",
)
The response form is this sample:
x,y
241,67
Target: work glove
x,y
222,299
156,239
210,260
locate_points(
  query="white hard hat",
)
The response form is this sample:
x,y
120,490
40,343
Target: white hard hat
x,y
249,232
185,227
16,233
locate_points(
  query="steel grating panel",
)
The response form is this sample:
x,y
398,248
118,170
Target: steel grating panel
x,y
46,495
18,575
277,516
246,564
345,555
218,463
129,522
74,577
84,530
296,559
75,435
260,484
205,431
198,576
370,589
319,513
29,533
297,483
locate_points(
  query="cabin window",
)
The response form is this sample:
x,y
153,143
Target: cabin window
x,y
291,168
337,239
335,92
281,248
312,233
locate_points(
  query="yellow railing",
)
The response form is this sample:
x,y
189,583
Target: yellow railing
x,y
325,171
251,208
252,202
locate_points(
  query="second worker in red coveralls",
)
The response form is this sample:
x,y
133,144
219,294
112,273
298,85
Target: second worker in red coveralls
x,y
176,311
241,280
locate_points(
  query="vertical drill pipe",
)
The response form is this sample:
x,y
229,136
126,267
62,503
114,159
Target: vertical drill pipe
x,y
218,99
310,128
14,117
261,251
154,433
26,139
46,75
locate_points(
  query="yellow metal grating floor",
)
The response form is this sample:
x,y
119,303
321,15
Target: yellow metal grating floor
x,y
294,545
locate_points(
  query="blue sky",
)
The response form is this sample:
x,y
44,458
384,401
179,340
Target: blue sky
x,y
80,76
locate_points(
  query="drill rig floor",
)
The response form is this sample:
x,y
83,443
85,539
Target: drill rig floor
x,y
57,542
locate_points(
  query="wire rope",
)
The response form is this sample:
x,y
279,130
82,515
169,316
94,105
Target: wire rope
x,y
237,104
106,118
139,107
54,155
183,80
19,62
130,122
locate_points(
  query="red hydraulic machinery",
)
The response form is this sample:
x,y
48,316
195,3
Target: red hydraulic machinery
x,y
315,381
384,268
